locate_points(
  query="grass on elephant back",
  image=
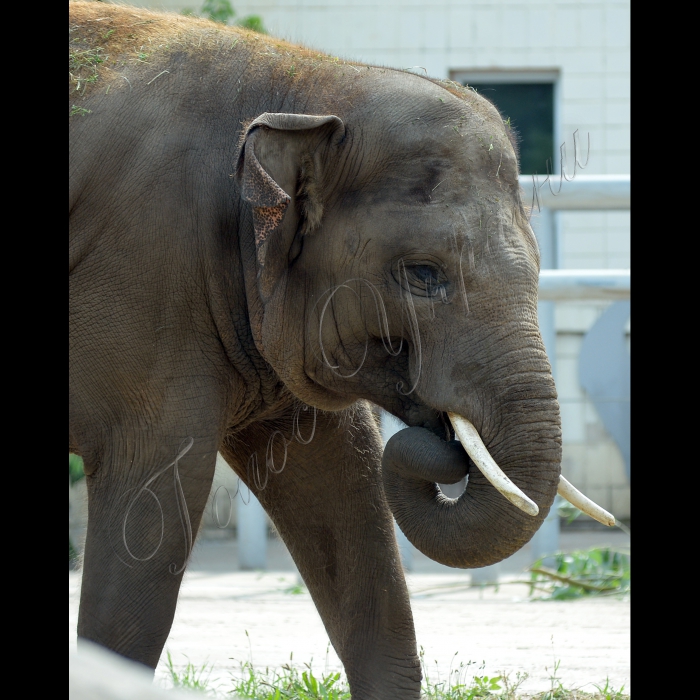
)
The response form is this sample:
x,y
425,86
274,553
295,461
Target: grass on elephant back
x,y
291,683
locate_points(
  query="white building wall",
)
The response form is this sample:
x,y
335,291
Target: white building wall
x,y
588,43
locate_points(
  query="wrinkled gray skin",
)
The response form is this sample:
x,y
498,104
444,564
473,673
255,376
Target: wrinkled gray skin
x,y
191,322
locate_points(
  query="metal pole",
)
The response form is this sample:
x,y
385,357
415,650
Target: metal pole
x,y
575,285
592,192
389,426
486,574
252,531
546,539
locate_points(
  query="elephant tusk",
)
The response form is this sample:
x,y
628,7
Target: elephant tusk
x,y
583,503
473,444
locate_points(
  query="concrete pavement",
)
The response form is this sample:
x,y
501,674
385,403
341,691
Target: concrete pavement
x,y
502,630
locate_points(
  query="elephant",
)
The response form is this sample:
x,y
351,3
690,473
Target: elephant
x,y
266,242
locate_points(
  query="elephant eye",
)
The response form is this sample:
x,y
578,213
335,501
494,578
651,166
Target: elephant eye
x,y
425,274
421,279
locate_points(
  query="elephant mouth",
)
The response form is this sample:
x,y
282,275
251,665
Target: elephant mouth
x,y
416,414
481,458
448,426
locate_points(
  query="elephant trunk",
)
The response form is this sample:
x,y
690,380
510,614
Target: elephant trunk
x,y
481,527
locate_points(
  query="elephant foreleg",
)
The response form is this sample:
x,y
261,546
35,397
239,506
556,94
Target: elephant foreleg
x,y
328,505
145,504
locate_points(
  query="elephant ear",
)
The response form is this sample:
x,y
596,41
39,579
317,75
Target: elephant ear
x,y
280,171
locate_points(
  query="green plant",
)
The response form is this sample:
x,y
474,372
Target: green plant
x,y
218,10
190,677
588,572
291,683
253,22
457,686
222,11
75,462
607,692
595,571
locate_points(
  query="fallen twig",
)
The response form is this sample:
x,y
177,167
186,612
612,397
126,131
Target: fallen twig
x,y
572,581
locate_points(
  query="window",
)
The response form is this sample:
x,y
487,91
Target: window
x,y
528,100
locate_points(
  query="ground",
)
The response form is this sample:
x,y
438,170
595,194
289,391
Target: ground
x,y
590,638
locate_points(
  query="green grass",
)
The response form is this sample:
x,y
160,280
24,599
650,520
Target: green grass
x,y
83,66
289,683
190,677
85,58
461,683
81,111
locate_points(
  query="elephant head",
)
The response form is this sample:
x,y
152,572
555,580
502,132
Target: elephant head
x,y
393,261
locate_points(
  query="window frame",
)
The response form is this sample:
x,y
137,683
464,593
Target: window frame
x,y
520,75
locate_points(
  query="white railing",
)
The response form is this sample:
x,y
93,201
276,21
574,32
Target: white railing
x,y
584,285
583,192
